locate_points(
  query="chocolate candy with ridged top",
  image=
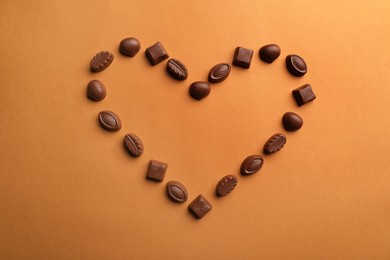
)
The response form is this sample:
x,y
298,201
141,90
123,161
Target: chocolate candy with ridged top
x,y
96,90
296,65
303,94
200,89
156,53
177,69
219,72
226,185
129,46
176,191
251,164
292,121
200,206
242,57
275,143
133,145
101,61
110,121
269,53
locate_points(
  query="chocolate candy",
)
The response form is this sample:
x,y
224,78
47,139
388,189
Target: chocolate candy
x,y
156,171
96,90
177,69
242,57
129,46
219,72
303,94
156,53
133,145
101,61
292,121
226,185
176,191
251,164
110,121
269,53
200,89
200,206
275,143
296,65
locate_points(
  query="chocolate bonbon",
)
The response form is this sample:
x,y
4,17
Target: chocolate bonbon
x,y
251,164
242,57
177,69
156,170
101,61
110,121
219,72
275,143
133,145
96,90
292,121
129,46
200,89
176,191
303,94
296,65
156,53
269,53
226,185
200,206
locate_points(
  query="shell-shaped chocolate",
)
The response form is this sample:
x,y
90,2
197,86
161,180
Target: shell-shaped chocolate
x,y
292,121
101,61
296,65
269,53
96,90
176,191
177,69
226,185
200,89
133,145
110,121
219,72
129,46
251,164
275,143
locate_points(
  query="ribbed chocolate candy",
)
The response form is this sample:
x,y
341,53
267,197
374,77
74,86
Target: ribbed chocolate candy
x,y
101,61
219,72
110,121
96,90
251,164
177,69
200,89
176,191
275,143
129,46
133,145
226,185
292,121
269,53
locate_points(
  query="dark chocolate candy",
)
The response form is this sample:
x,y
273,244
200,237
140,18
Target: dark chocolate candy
x,y
156,53
156,171
292,121
242,57
200,89
269,53
110,121
226,185
176,191
304,94
177,69
133,145
129,46
200,206
296,65
101,61
251,164
96,90
275,143
219,72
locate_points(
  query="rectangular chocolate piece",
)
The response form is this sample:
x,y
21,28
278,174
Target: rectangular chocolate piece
x,y
200,206
242,57
156,53
303,94
156,171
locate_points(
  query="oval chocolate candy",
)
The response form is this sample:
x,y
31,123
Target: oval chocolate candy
x,y
133,145
226,185
200,89
129,46
110,121
296,65
176,191
251,164
292,121
96,90
101,61
275,143
177,69
219,72
269,53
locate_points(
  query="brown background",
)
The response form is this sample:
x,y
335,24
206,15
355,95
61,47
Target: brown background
x,y
69,190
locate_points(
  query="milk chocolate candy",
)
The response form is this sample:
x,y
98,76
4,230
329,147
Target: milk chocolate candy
x,y
275,143
303,94
269,53
156,53
296,65
219,72
200,89
242,57
110,121
176,191
292,121
156,171
101,61
96,90
133,144
200,206
251,164
177,69
226,185
129,46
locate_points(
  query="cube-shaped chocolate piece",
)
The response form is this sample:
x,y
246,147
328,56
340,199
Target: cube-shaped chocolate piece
x,y
156,53
242,57
303,94
200,206
156,171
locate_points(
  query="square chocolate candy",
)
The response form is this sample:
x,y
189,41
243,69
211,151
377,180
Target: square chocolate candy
x,y
242,57
156,171
303,94
156,53
200,206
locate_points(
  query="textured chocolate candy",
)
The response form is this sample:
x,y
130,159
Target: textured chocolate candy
x,y
101,61
269,53
275,143
226,185
304,94
292,121
251,164
96,90
219,72
156,53
156,171
176,191
110,121
129,46
296,65
242,57
200,89
177,69
200,206
133,145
